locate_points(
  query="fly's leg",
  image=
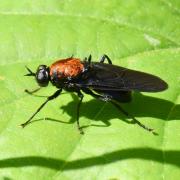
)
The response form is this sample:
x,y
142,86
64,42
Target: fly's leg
x,y
71,56
104,57
55,95
105,98
133,118
87,64
97,96
89,59
80,95
33,91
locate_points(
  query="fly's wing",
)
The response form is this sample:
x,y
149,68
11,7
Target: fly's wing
x,y
115,78
121,96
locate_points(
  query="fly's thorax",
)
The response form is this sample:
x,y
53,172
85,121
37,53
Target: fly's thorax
x,y
64,70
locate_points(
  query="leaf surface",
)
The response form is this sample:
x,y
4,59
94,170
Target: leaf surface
x,y
138,34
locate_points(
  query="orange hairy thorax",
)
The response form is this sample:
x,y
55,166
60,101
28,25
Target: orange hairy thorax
x,y
70,67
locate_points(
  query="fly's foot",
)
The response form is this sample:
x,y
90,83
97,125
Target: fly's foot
x,y
80,130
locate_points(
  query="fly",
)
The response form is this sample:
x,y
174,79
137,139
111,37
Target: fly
x,y
103,81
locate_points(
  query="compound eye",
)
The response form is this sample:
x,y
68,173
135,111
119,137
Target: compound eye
x,y
42,67
42,76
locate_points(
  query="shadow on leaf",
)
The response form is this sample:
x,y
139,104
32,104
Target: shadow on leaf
x,y
141,106
163,157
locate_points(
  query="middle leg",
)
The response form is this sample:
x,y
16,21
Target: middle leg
x,y
81,96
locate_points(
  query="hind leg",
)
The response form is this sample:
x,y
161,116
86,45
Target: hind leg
x,y
106,98
105,57
132,117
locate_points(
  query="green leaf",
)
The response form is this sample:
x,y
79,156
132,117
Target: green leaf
x,y
141,35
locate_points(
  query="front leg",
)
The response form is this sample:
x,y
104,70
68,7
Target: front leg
x,y
32,91
55,95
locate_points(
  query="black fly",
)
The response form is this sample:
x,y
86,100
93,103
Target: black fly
x,y
103,81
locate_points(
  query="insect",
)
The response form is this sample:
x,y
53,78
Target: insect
x,y
103,81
